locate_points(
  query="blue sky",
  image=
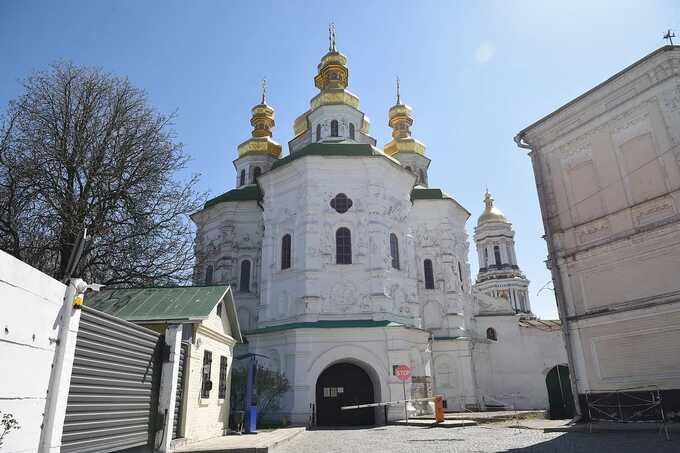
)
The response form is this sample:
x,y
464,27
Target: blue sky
x,y
475,74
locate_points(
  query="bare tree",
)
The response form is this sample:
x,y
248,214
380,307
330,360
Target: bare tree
x,y
83,149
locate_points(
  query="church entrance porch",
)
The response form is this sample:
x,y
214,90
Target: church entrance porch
x,y
344,384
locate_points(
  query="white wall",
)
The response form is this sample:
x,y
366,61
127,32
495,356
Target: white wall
x,y
29,322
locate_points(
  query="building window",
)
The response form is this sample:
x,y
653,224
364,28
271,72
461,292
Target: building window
x,y
206,383
285,252
460,273
351,131
219,309
394,250
209,275
486,257
343,246
497,254
491,334
242,179
429,275
422,176
244,287
256,173
334,128
341,203
222,389
318,132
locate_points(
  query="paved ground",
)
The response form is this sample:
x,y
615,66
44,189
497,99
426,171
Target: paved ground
x,y
477,439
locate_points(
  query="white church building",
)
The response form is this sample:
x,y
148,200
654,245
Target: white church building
x,y
344,264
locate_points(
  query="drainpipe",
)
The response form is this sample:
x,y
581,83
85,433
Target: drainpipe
x,y
521,142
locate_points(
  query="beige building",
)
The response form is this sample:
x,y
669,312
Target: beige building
x,y
607,172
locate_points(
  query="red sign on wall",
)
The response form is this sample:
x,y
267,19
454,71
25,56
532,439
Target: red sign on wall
x,y
402,372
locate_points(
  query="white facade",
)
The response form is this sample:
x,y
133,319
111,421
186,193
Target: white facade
x,y
339,254
608,177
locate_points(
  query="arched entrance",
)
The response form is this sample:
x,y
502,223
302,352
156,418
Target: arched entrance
x,y
559,393
344,384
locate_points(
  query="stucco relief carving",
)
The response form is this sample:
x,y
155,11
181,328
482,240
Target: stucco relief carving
x,y
593,231
653,211
670,109
341,296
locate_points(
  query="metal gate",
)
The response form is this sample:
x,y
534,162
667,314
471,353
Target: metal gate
x,y
177,421
113,396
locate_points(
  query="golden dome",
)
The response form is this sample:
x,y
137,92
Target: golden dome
x,y
400,120
262,120
491,213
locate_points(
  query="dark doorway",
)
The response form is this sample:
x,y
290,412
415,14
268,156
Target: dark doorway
x,y
340,385
559,393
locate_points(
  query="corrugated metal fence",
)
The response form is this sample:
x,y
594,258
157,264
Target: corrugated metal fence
x,y
113,395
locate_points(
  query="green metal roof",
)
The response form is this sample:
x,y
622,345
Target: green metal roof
x,y
181,303
251,192
334,149
340,324
421,193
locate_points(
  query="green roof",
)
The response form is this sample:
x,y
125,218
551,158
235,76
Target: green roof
x,y
421,193
181,303
340,324
334,149
250,192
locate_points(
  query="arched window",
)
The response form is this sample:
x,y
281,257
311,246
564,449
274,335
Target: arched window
x,y
343,246
394,250
209,275
497,254
256,173
491,334
422,176
285,252
242,179
318,132
429,274
486,257
244,285
351,131
334,128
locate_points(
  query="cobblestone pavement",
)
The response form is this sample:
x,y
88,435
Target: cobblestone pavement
x,y
476,439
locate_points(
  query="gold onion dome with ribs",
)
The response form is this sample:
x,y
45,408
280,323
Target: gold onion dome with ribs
x,y
491,213
262,121
401,120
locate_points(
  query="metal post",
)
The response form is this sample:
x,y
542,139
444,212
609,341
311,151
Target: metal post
x,y
405,403
249,392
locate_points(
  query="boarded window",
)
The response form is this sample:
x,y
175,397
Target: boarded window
x,y
242,179
334,128
351,131
206,384
222,391
491,334
318,132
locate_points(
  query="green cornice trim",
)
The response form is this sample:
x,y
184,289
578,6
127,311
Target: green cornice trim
x,y
250,192
334,149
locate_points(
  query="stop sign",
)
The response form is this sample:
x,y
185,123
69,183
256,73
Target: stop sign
x,y
402,372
